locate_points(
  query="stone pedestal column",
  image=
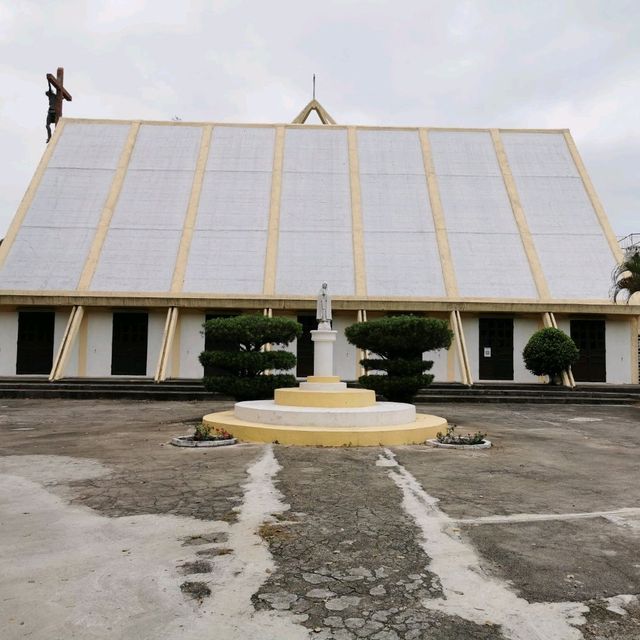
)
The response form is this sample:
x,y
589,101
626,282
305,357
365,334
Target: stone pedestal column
x,y
323,340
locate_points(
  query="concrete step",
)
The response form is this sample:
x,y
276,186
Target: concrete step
x,y
601,400
189,389
526,392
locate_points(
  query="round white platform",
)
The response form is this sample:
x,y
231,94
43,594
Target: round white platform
x,y
424,427
379,415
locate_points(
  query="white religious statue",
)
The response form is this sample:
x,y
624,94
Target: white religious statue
x,y
323,309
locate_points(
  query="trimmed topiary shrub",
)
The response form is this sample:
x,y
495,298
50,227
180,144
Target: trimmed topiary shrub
x,y
549,352
241,363
399,342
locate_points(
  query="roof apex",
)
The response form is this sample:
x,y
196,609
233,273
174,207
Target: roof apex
x,y
314,105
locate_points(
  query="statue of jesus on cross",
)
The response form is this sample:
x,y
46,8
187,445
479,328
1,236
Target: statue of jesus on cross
x,y
54,113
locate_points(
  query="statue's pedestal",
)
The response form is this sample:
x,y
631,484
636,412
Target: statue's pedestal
x,y
323,340
323,412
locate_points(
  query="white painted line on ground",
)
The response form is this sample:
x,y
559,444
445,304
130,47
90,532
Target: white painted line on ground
x,y
468,591
543,517
250,564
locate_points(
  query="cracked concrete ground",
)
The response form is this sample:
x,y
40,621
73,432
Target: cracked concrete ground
x,y
109,532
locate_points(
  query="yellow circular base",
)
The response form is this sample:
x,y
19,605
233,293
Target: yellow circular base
x,y
425,427
343,399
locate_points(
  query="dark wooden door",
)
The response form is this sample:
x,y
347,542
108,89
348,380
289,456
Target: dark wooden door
x,y
129,344
304,348
589,336
35,342
496,348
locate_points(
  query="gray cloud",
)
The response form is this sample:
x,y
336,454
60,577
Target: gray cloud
x,y
482,63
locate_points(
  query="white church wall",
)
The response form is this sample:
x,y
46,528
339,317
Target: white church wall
x,y
59,326
440,364
523,329
440,358
344,354
155,334
99,338
191,344
472,339
618,354
8,342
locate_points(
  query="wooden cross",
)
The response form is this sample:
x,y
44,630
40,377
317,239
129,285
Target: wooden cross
x,y
61,92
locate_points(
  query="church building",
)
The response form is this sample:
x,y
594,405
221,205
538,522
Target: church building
x,y
133,233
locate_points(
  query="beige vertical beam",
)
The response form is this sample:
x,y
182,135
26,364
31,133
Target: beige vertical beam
x,y
83,346
271,255
451,361
175,352
166,345
593,197
521,221
359,266
635,366
163,343
461,347
68,340
170,345
446,261
108,209
29,195
179,271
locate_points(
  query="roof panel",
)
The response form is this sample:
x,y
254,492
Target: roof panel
x,y
137,260
49,259
166,148
463,153
89,146
241,149
384,152
538,154
400,247
226,261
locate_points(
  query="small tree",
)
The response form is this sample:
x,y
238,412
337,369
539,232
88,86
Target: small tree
x,y
549,352
241,362
626,276
399,342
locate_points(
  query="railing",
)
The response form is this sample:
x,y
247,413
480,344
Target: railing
x,y
630,242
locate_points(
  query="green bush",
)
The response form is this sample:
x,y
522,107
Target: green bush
x,y
399,342
240,361
549,352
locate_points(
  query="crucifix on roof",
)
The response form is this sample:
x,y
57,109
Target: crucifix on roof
x,y
55,99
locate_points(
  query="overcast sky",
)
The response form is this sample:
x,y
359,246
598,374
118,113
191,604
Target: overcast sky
x,y
500,63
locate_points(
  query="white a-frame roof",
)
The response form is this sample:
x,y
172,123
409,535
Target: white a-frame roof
x,y
175,208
